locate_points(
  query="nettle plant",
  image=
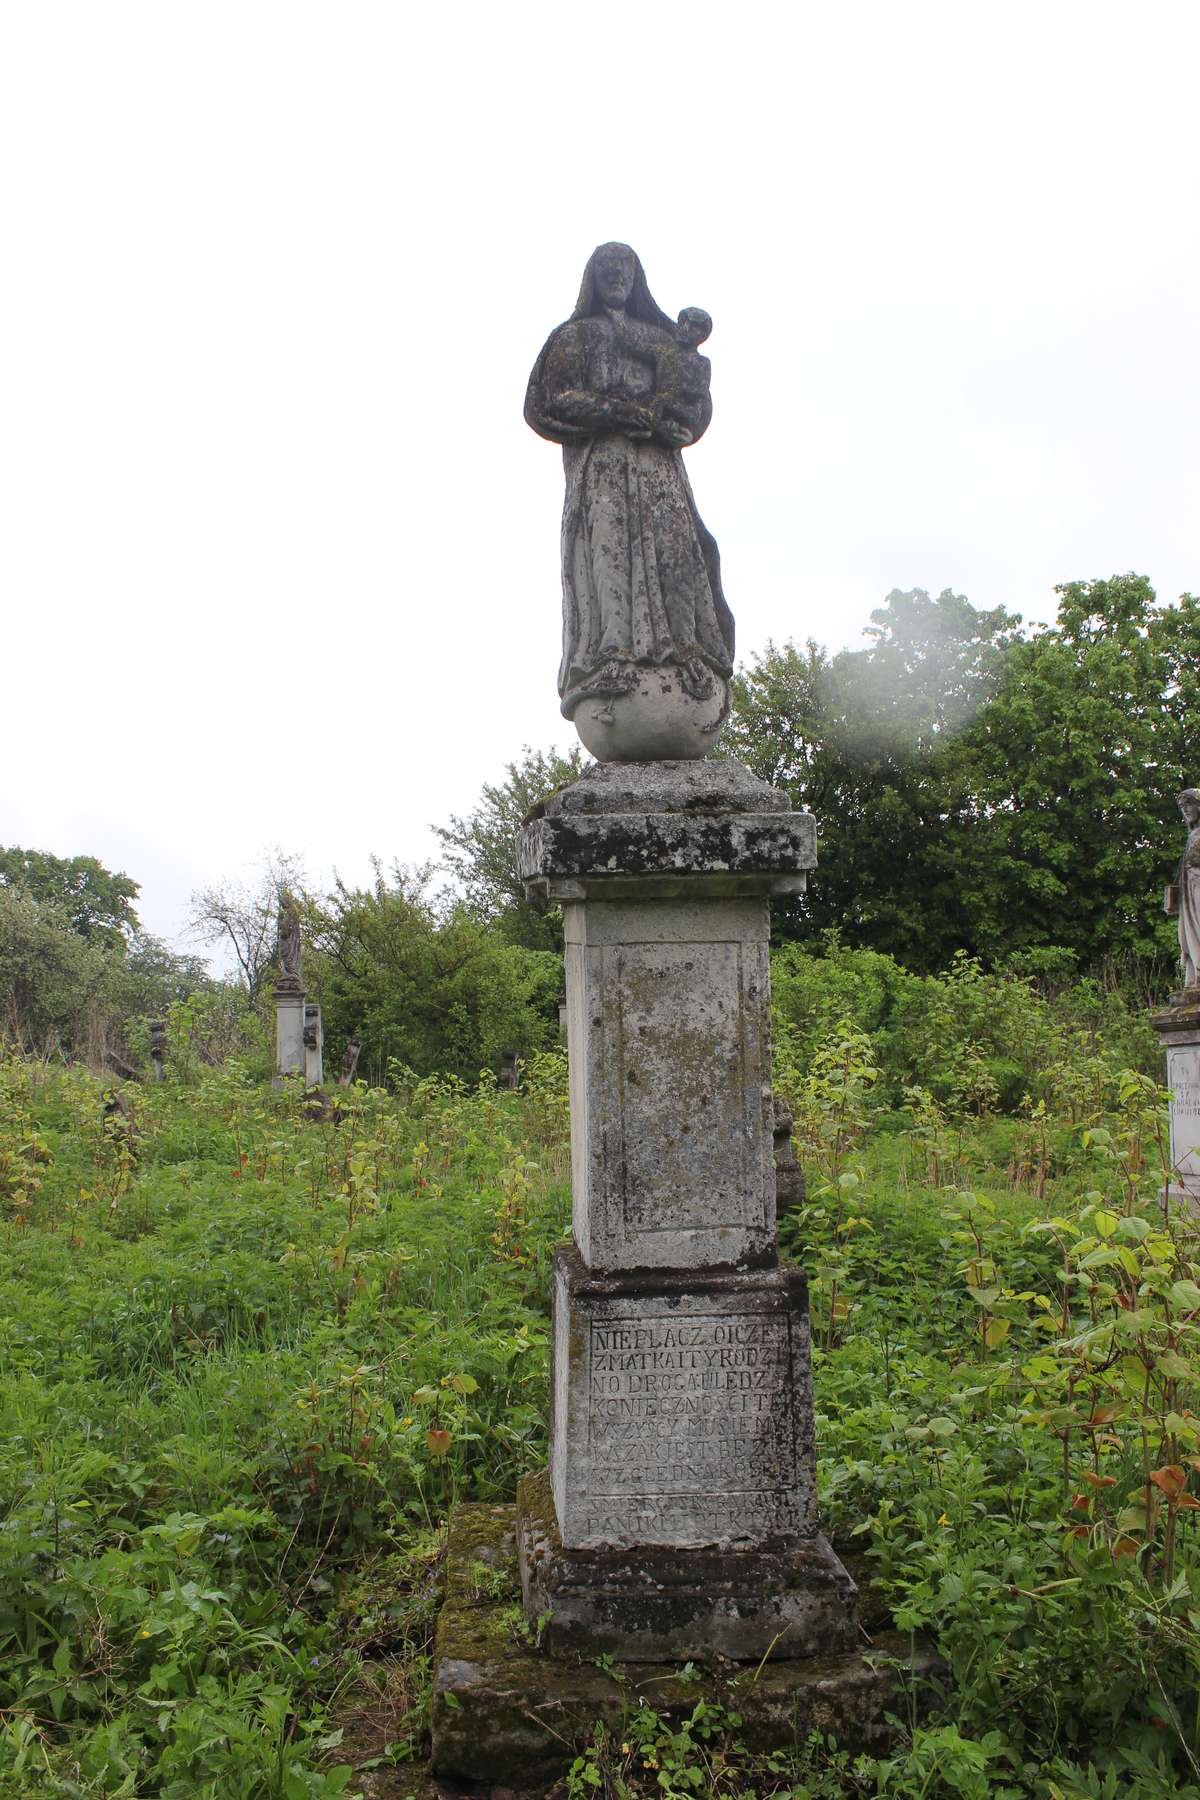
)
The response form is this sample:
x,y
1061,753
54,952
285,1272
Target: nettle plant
x,y
831,1107
1116,1376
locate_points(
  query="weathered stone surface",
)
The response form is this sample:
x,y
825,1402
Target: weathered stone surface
x,y
504,1711
287,943
648,1603
601,845
648,639
1178,1029
681,1411
720,786
668,1022
314,1045
289,1029
1183,896
791,1189
658,830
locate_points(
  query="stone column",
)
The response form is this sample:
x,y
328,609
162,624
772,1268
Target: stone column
x,y
314,1044
1178,1028
158,1047
289,1026
677,1517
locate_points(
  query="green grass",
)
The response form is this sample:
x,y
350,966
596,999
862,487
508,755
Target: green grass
x,y
225,1344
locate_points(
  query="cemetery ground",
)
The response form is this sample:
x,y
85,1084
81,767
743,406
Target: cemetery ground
x,y
251,1358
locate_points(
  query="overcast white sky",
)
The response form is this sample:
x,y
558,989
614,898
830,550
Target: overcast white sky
x,y
279,556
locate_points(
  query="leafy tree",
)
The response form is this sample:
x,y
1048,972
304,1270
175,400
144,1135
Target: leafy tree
x,y
96,903
869,741
420,979
245,918
81,996
49,972
481,849
981,790
1076,764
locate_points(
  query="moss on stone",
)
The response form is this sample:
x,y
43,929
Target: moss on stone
x,y
504,1711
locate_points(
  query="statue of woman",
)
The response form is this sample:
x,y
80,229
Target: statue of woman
x,y
1184,897
288,943
647,635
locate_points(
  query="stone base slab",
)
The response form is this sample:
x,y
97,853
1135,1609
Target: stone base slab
x,y
504,1711
643,1604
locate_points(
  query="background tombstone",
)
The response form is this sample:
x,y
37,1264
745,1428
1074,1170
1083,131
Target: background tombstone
x,y
509,1076
791,1189
158,1047
350,1058
1178,1025
289,993
314,1044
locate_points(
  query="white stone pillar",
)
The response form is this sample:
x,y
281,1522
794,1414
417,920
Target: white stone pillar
x,y
1178,1029
289,1027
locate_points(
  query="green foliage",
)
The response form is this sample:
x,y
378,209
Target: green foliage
x,y
481,849
974,1042
982,791
96,903
275,1349
870,742
248,1359
424,984
64,992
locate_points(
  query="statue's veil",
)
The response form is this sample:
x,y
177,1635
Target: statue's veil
x,y
641,303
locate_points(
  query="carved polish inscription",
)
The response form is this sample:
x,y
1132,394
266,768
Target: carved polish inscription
x,y
685,1411
1183,1078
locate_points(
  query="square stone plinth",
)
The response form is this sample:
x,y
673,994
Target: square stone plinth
x,y
1178,1030
681,1409
650,1603
505,1711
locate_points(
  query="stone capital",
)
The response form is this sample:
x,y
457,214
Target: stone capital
x,y
663,829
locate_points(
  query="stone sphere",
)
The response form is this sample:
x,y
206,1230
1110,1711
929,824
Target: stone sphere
x,y
655,721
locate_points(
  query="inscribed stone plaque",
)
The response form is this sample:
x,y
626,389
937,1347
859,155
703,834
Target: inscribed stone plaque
x,y
679,1416
670,1051
1183,1078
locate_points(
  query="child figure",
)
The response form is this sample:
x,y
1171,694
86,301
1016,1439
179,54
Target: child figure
x,y
681,375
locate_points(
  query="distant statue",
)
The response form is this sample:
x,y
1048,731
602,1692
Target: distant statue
x,y
1183,897
288,945
647,636
158,1047
350,1062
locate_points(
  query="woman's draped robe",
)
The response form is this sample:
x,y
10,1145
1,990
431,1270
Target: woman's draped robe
x,y
641,574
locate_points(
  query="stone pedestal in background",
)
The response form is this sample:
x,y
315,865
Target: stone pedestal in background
x,y
1178,1028
289,1027
158,1048
314,1045
678,1517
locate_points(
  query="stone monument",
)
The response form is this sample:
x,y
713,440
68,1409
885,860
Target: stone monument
x,y
791,1189
314,1041
289,993
677,1518
350,1058
1178,1025
158,1048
